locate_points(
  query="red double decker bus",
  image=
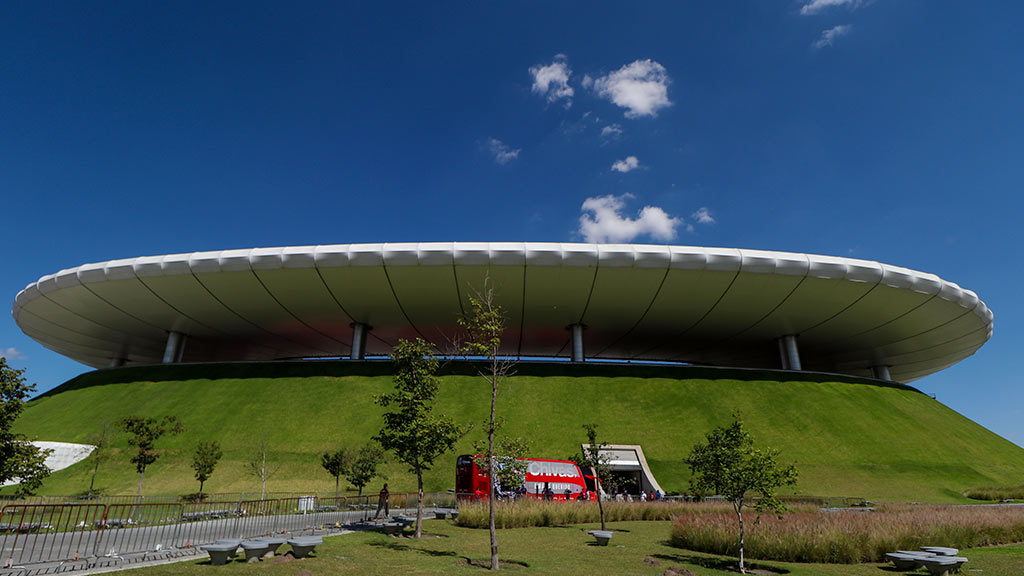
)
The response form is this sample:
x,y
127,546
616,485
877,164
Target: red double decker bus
x,y
562,477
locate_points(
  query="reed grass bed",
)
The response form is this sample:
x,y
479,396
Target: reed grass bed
x,y
996,493
850,537
530,513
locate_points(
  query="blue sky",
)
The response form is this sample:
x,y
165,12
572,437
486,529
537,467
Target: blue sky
x,y
883,130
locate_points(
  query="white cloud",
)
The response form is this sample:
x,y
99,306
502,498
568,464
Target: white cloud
x,y
641,88
629,163
12,354
812,7
552,81
828,37
611,131
602,221
501,152
703,216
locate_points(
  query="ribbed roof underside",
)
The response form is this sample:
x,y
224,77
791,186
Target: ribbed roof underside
x,y
718,306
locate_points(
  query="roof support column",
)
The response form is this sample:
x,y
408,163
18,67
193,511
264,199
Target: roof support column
x,y
359,331
175,348
577,341
116,362
881,372
789,353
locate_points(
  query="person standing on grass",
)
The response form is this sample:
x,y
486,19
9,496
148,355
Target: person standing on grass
x,y
383,501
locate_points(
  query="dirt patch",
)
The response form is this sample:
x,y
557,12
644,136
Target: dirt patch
x,y
677,571
652,561
304,573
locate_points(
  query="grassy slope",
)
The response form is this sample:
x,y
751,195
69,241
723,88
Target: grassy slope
x,y
847,439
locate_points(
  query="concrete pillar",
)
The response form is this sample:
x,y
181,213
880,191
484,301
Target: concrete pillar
x,y
789,353
359,331
116,362
175,348
577,342
881,372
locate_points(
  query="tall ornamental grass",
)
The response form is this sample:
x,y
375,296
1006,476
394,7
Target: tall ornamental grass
x,y
851,537
996,493
529,513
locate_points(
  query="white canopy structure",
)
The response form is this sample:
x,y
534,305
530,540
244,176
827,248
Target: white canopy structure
x,y
714,306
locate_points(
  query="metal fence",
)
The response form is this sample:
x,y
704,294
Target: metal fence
x,y
42,538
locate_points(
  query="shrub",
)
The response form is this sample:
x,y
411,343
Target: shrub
x,y
996,493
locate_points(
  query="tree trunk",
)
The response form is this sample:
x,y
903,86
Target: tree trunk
x,y
93,480
600,501
337,482
490,463
138,493
419,503
738,506
201,490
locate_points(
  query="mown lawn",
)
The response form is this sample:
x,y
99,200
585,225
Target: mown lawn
x,y
637,548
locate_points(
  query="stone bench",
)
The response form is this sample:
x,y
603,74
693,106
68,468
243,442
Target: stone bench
x,y
940,550
942,565
304,545
221,553
602,536
256,549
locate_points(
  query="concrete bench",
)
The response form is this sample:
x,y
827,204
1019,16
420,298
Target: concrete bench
x,y
220,554
256,549
302,546
602,536
274,543
392,528
404,520
940,550
942,565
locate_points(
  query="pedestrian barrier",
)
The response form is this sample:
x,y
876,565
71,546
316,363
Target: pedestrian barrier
x,y
51,535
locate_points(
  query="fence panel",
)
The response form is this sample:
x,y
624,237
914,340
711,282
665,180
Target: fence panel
x,y
34,533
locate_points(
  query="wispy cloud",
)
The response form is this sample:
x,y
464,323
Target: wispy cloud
x,y
625,165
812,7
11,353
703,216
611,131
828,37
641,88
602,221
501,152
552,81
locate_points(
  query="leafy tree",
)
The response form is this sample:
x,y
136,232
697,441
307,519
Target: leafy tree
x,y
510,461
143,434
336,464
727,463
19,459
594,459
411,431
101,440
258,466
204,460
364,466
485,326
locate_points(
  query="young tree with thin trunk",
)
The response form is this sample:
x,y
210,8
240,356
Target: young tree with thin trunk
x,y
258,465
204,460
337,463
143,434
411,431
598,463
101,440
727,464
364,466
485,326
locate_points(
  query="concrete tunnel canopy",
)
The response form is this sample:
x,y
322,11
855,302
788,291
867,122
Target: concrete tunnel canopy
x,y
710,306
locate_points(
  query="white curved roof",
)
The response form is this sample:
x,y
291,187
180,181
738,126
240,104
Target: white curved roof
x,y
718,306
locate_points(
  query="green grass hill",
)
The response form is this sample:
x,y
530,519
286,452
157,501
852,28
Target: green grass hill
x,y
848,437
